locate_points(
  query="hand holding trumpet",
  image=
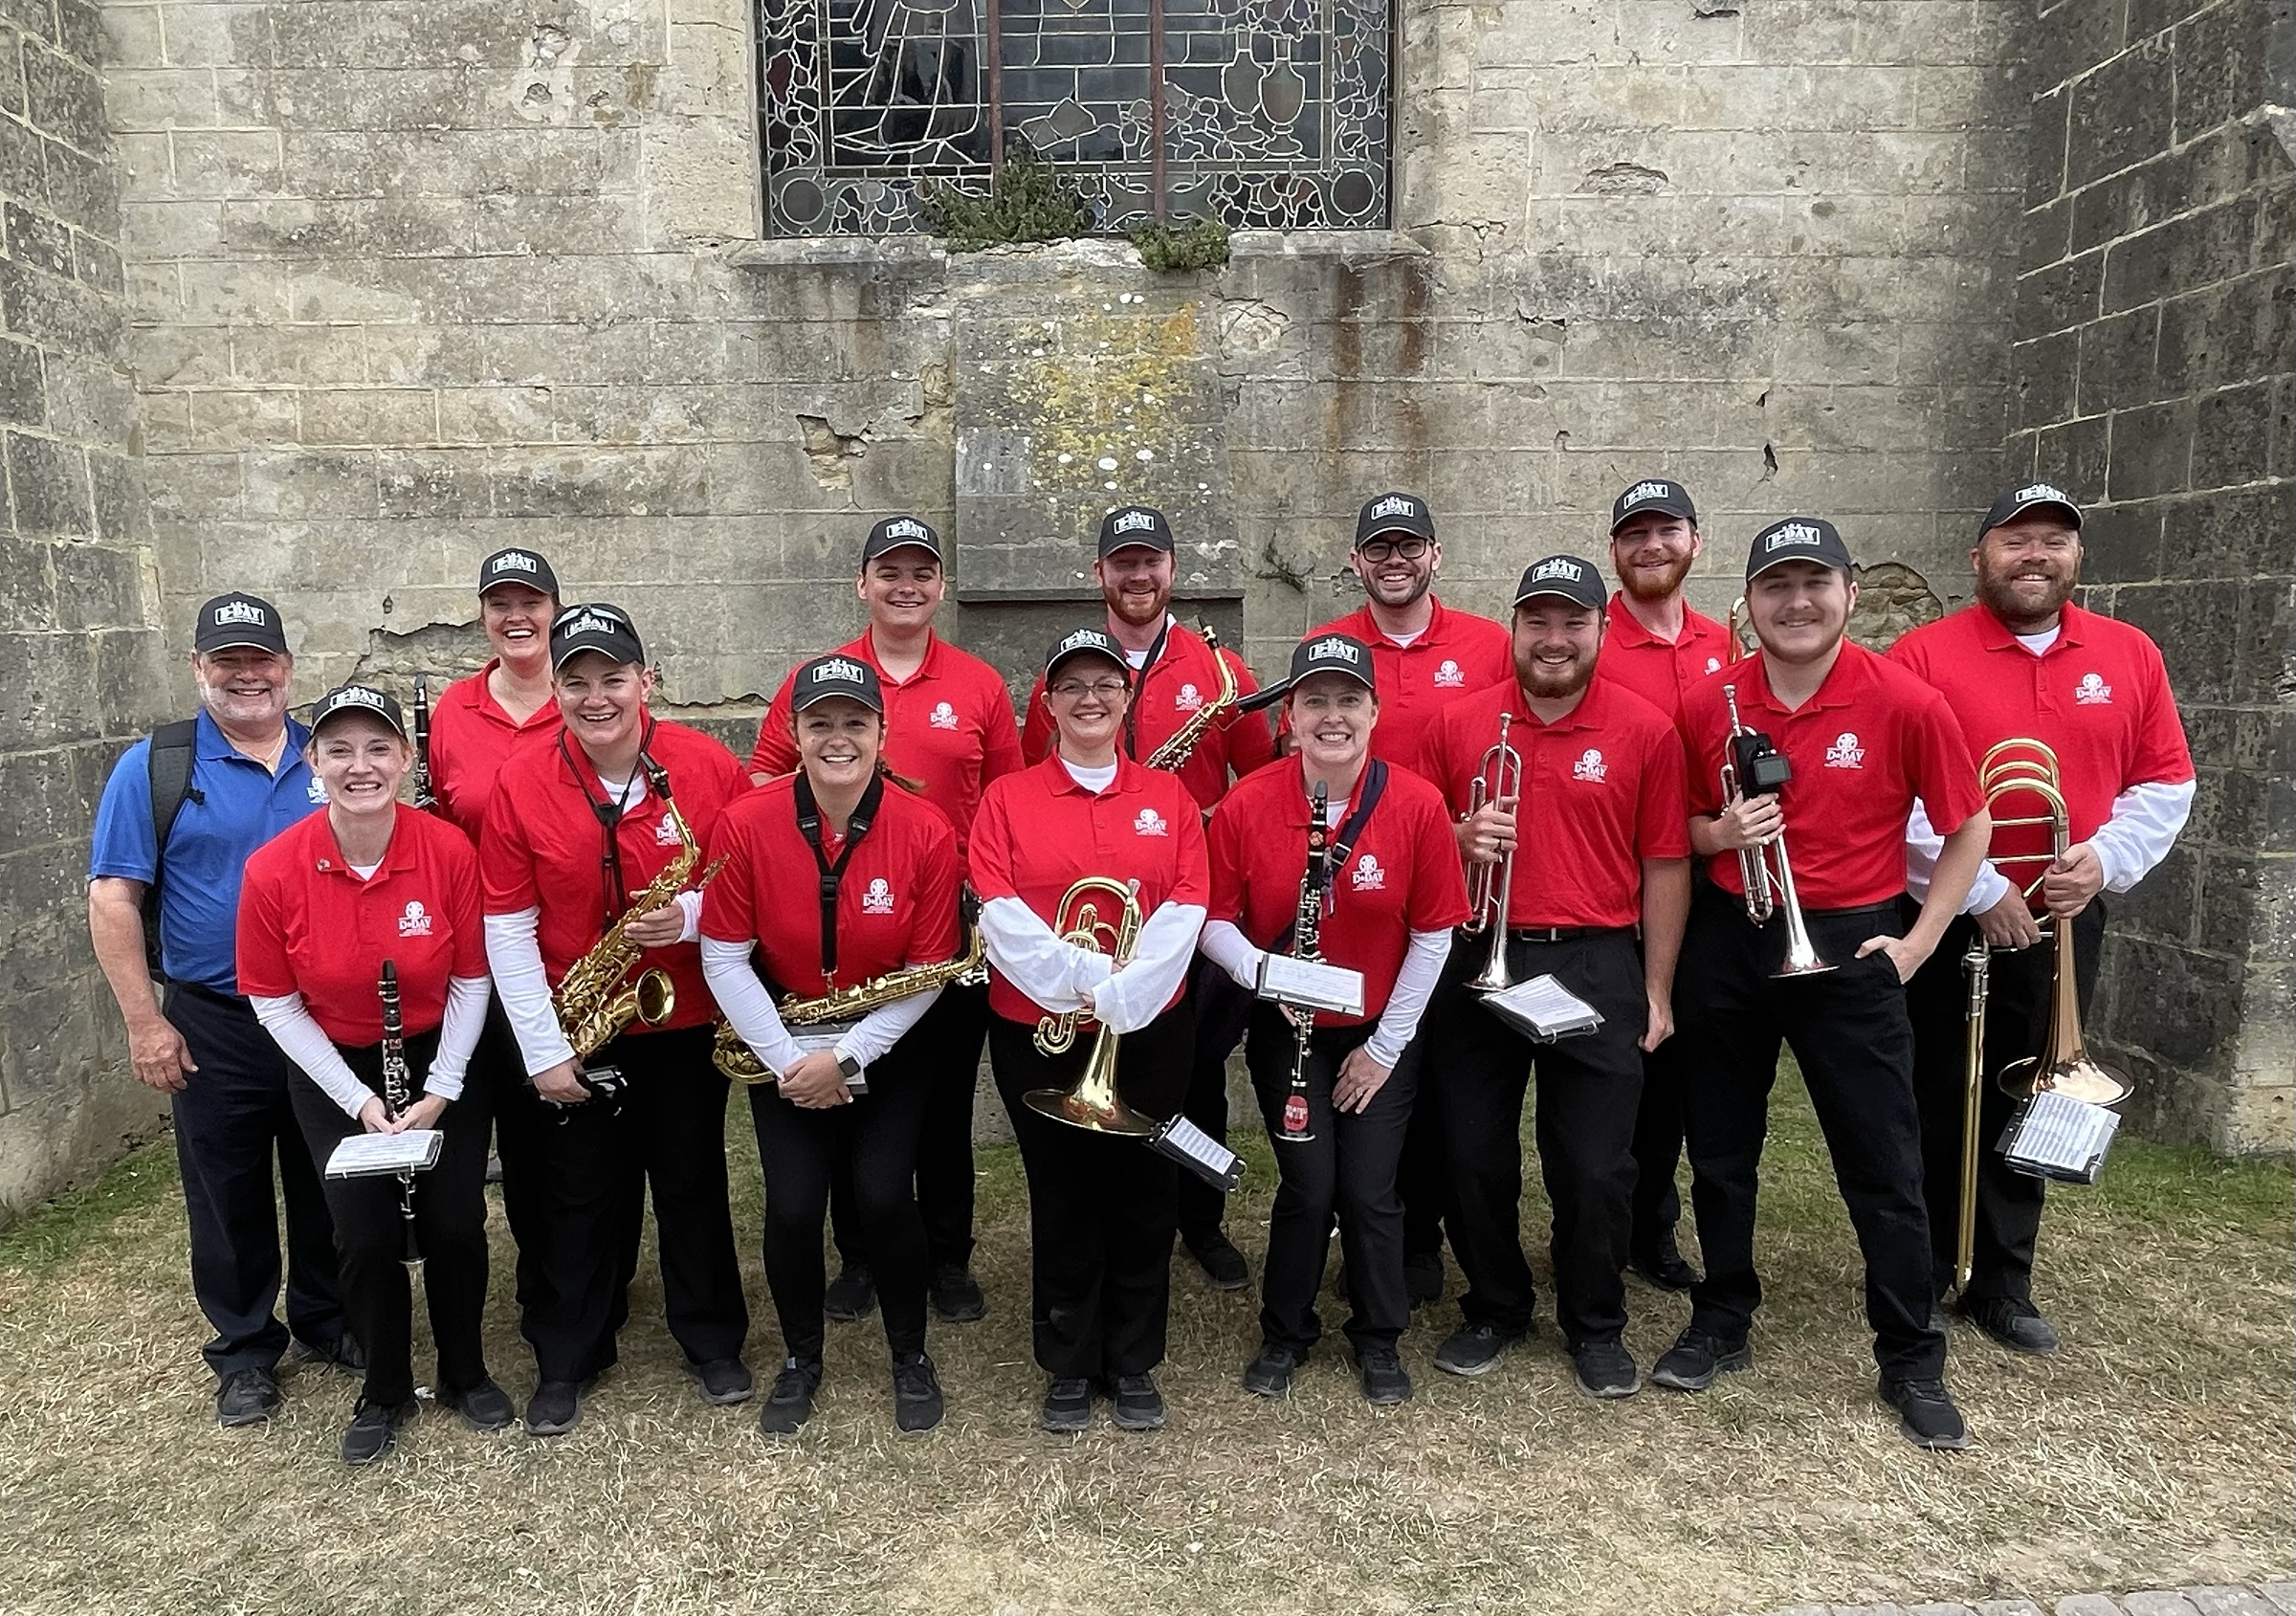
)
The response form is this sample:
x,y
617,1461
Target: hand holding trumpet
x,y
1487,836
1748,822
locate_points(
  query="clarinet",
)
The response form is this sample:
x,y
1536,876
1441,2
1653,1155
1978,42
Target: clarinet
x,y
424,797
397,1091
1307,933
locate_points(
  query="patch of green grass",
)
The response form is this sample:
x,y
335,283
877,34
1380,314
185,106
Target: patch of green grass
x,y
60,1229
2173,1184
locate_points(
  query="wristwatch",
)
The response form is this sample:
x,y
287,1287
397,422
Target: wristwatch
x,y
848,1067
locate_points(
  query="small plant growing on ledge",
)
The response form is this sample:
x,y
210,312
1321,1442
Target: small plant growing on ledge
x,y
1027,201
1168,248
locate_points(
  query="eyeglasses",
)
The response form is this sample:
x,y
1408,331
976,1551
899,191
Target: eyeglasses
x,y
1376,550
1075,689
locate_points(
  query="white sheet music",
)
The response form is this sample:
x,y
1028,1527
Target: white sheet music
x,y
1310,984
1198,1151
2061,1138
1544,1008
364,1155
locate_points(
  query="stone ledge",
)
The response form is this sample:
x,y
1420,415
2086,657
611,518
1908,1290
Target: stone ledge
x,y
833,252
1324,244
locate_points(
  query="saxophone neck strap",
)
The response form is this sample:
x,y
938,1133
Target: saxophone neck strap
x,y
832,875
1139,688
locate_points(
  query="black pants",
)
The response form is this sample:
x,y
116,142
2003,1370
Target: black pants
x,y
1420,1177
874,1141
370,1234
498,1069
232,1117
1849,1031
1222,1010
1588,1089
593,1165
1658,1134
947,1047
2016,1026
1348,1168
1101,1207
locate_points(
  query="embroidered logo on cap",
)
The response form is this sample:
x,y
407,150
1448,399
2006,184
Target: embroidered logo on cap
x,y
665,834
1368,876
1642,491
1082,637
356,695
414,921
1450,676
315,791
905,527
1336,650
1793,533
1150,823
1189,699
944,716
240,612
515,561
594,622
1590,765
837,670
1394,505
1134,522
2041,491
1845,752
879,898
2092,691
1560,566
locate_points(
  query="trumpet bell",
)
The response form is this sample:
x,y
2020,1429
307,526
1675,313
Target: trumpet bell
x,y
2081,1079
1496,977
1092,1102
1801,961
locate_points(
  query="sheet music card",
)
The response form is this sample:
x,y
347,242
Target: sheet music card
x,y
367,1155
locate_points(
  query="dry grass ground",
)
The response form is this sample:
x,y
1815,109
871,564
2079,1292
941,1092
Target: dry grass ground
x,y
2155,1450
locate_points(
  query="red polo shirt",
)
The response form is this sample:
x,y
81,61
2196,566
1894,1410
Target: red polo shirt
x,y
309,925
948,725
470,735
1458,653
1402,875
897,900
544,847
2099,697
1872,739
1166,695
1655,671
1602,790
1038,832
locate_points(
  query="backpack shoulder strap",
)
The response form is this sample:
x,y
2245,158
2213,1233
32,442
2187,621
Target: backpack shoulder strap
x,y
168,766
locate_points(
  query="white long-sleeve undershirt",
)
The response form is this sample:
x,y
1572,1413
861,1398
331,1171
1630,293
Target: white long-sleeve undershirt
x,y
1228,948
516,958
750,1008
304,1041
2143,824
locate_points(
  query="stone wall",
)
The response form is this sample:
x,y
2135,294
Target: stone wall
x,y
2157,371
79,661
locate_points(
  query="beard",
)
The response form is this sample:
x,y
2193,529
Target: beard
x,y
1643,587
1546,683
1417,585
2001,597
1133,607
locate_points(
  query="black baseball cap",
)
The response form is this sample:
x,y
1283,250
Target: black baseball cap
x,y
1394,513
239,620
1797,539
1652,494
357,698
517,566
2018,500
1318,653
1083,642
894,532
594,627
1128,525
1565,577
834,674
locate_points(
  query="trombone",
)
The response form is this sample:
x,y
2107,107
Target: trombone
x,y
1977,964
1489,886
1764,869
1091,1101
2023,764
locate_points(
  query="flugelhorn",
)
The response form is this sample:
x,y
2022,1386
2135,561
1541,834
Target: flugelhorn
x,y
2023,764
1764,869
1091,1101
1490,887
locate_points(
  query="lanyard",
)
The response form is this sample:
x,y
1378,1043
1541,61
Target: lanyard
x,y
1140,690
609,812
809,823
1368,790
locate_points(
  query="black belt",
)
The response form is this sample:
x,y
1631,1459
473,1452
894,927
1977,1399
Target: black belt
x,y
1862,910
213,995
1564,934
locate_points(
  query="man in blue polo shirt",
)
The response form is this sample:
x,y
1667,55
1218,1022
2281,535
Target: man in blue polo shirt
x,y
200,1044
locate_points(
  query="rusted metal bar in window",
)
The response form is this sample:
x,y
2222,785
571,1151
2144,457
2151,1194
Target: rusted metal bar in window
x,y
996,90
1156,106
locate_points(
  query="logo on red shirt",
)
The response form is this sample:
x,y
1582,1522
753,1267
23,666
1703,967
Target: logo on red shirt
x,y
944,716
1150,823
1713,664
1590,765
1450,676
1188,700
1368,876
879,898
665,834
1845,752
2092,692
414,921
315,791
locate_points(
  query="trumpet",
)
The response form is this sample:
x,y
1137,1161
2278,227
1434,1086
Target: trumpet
x,y
1490,886
1764,869
2022,765
1091,1101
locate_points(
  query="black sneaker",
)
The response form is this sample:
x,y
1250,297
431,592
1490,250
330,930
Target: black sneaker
x,y
722,1381
484,1406
1696,1358
1925,1416
1221,1263
1423,1279
1067,1405
342,1353
917,1400
373,1428
247,1397
851,1295
555,1408
790,1403
1661,1264
1605,1369
1475,1348
955,1295
2017,1325
1384,1380
1269,1375
1139,1406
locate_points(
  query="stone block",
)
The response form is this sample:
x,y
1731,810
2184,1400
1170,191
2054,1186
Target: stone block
x,y
2087,1604
2047,138
224,420
2196,249
369,416
2221,55
2064,295
2118,361
35,239
2077,454
116,485
98,265
303,485
2045,370
49,482
97,587
59,313
64,98
2151,450
435,482
2190,622
2157,1603
2076,37
2232,435
160,230
2229,331
2122,543
286,355
22,397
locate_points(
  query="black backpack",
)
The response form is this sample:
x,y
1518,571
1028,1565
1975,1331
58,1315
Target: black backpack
x,y
169,766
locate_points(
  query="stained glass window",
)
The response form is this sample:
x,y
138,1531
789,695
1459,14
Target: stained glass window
x,y
1259,113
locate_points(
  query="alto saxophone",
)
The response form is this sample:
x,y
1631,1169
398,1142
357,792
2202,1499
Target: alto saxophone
x,y
1174,754
734,1057
593,1000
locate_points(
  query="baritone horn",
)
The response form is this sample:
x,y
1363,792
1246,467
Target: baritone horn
x,y
2023,765
1490,886
1764,869
1092,1102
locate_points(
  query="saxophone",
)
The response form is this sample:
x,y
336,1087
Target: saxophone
x,y
734,1058
593,1000
1174,754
